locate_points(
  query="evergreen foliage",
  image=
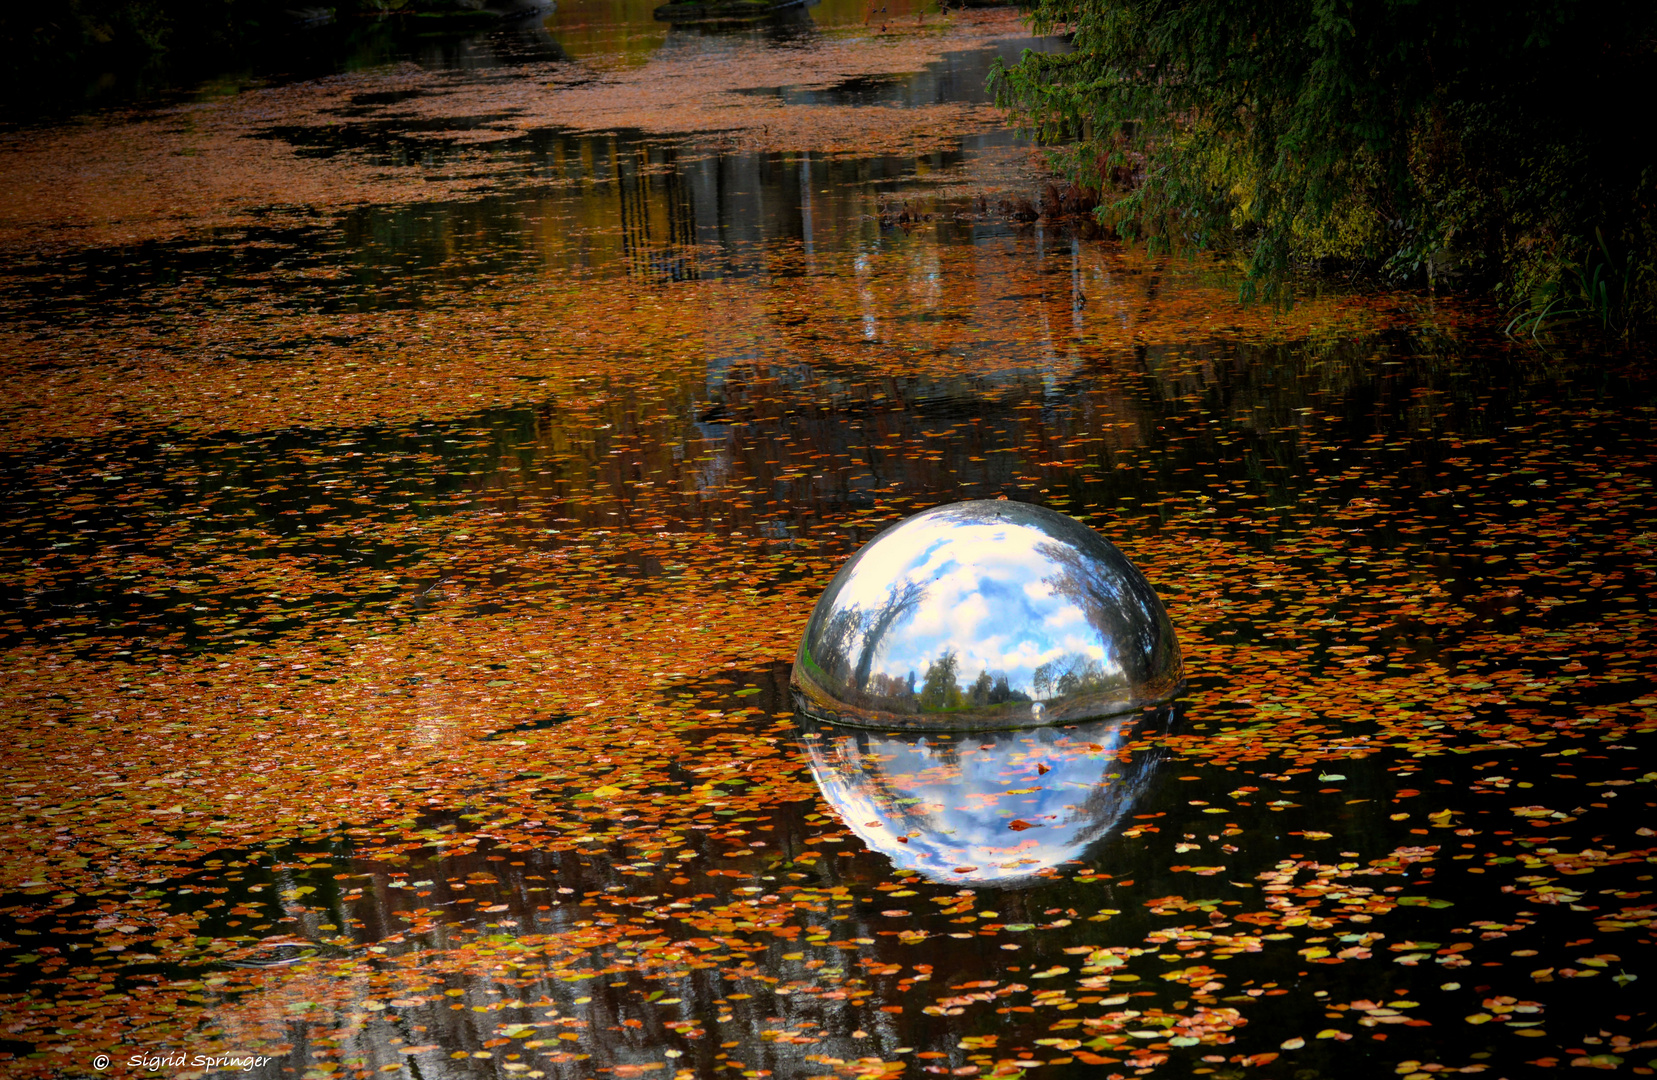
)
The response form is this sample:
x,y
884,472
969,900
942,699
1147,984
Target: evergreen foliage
x,y
941,691
1493,145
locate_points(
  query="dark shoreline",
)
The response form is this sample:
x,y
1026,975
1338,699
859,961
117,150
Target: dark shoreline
x,y
125,52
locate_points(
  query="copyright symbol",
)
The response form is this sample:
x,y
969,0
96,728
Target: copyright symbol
x,y
101,1062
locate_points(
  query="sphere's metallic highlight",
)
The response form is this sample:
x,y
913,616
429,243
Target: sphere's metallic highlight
x,y
983,807
985,615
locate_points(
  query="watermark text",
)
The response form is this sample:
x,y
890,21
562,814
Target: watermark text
x,y
202,1062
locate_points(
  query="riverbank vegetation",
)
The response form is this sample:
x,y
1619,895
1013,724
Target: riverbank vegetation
x,y
64,56
74,39
1468,144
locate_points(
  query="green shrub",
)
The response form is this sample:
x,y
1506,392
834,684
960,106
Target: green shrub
x,y
1498,146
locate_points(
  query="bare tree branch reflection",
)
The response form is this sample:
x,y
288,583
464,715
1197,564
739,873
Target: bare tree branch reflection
x,y
990,614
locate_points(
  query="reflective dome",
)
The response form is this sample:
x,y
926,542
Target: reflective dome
x,y
981,808
985,615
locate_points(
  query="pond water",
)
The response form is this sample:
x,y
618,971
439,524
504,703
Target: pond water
x,y
417,477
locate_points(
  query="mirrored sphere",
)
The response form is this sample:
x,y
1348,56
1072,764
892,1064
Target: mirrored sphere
x,y
985,615
982,808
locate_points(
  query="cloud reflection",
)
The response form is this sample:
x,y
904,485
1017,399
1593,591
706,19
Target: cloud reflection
x,y
985,614
983,808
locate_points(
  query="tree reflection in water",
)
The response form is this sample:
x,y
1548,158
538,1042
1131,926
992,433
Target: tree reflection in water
x,y
603,962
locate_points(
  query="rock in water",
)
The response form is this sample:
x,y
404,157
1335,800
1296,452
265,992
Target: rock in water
x,y
985,614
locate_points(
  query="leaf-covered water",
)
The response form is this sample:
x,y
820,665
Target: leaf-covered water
x,y
416,482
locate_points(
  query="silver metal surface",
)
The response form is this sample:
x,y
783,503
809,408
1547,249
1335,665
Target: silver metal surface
x,y
985,615
983,808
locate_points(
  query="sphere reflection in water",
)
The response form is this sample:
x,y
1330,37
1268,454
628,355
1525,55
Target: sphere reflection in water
x,y
982,808
982,615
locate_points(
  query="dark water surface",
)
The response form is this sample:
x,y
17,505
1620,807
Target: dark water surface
x,y
399,600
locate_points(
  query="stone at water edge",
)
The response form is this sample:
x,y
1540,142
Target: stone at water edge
x,y
721,10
